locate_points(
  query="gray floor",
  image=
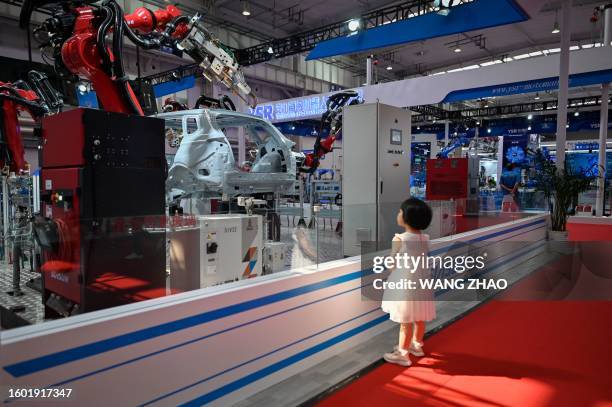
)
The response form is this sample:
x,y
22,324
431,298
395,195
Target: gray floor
x,y
303,387
31,299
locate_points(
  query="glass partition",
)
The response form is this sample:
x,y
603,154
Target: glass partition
x,y
63,267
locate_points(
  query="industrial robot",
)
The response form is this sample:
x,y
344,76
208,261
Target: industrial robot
x,y
35,97
87,41
92,245
204,164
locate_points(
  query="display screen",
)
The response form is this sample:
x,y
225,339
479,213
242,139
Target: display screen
x,y
587,163
396,137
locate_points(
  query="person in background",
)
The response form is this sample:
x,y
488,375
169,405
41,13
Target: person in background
x,y
509,183
410,308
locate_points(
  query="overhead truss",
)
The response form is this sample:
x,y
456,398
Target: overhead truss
x,y
305,41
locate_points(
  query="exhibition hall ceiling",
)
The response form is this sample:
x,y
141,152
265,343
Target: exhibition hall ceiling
x,y
277,19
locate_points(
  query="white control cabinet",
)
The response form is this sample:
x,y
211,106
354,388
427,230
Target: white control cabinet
x,y
376,142
220,249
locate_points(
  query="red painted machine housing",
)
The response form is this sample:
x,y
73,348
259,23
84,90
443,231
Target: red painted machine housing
x,y
62,273
447,178
103,186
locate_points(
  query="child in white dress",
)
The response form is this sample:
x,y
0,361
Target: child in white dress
x,y
410,308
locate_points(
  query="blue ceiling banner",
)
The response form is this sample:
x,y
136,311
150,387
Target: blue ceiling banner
x,y
541,124
540,85
472,16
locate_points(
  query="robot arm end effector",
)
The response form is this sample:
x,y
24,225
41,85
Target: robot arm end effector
x,y
216,60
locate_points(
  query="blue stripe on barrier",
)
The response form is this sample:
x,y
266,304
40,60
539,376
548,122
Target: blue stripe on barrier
x,y
246,380
84,351
163,396
496,266
275,367
201,338
456,245
80,352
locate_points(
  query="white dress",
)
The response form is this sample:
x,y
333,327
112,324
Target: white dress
x,y
414,305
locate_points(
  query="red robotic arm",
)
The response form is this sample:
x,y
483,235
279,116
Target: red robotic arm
x,y
12,146
145,20
16,98
85,52
78,33
332,118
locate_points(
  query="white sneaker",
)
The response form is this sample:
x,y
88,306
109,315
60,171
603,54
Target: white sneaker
x,y
414,349
397,358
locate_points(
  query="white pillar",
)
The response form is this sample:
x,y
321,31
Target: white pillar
x,y
600,203
603,134
563,83
369,70
500,159
476,135
607,34
446,131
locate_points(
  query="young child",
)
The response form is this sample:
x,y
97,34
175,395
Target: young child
x,y
410,308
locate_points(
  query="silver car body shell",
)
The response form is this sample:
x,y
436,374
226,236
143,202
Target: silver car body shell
x,y
204,163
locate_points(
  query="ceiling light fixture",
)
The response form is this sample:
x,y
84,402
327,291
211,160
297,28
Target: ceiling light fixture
x,y
522,56
246,10
444,6
270,50
389,68
529,128
530,117
576,114
354,24
537,96
82,87
556,29
457,49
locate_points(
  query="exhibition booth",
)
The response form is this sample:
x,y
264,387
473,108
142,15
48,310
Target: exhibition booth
x,y
236,296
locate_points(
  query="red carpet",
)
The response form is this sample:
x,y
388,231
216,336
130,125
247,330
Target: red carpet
x,y
506,353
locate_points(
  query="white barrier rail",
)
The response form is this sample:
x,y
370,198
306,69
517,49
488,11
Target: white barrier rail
x,y
216,345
